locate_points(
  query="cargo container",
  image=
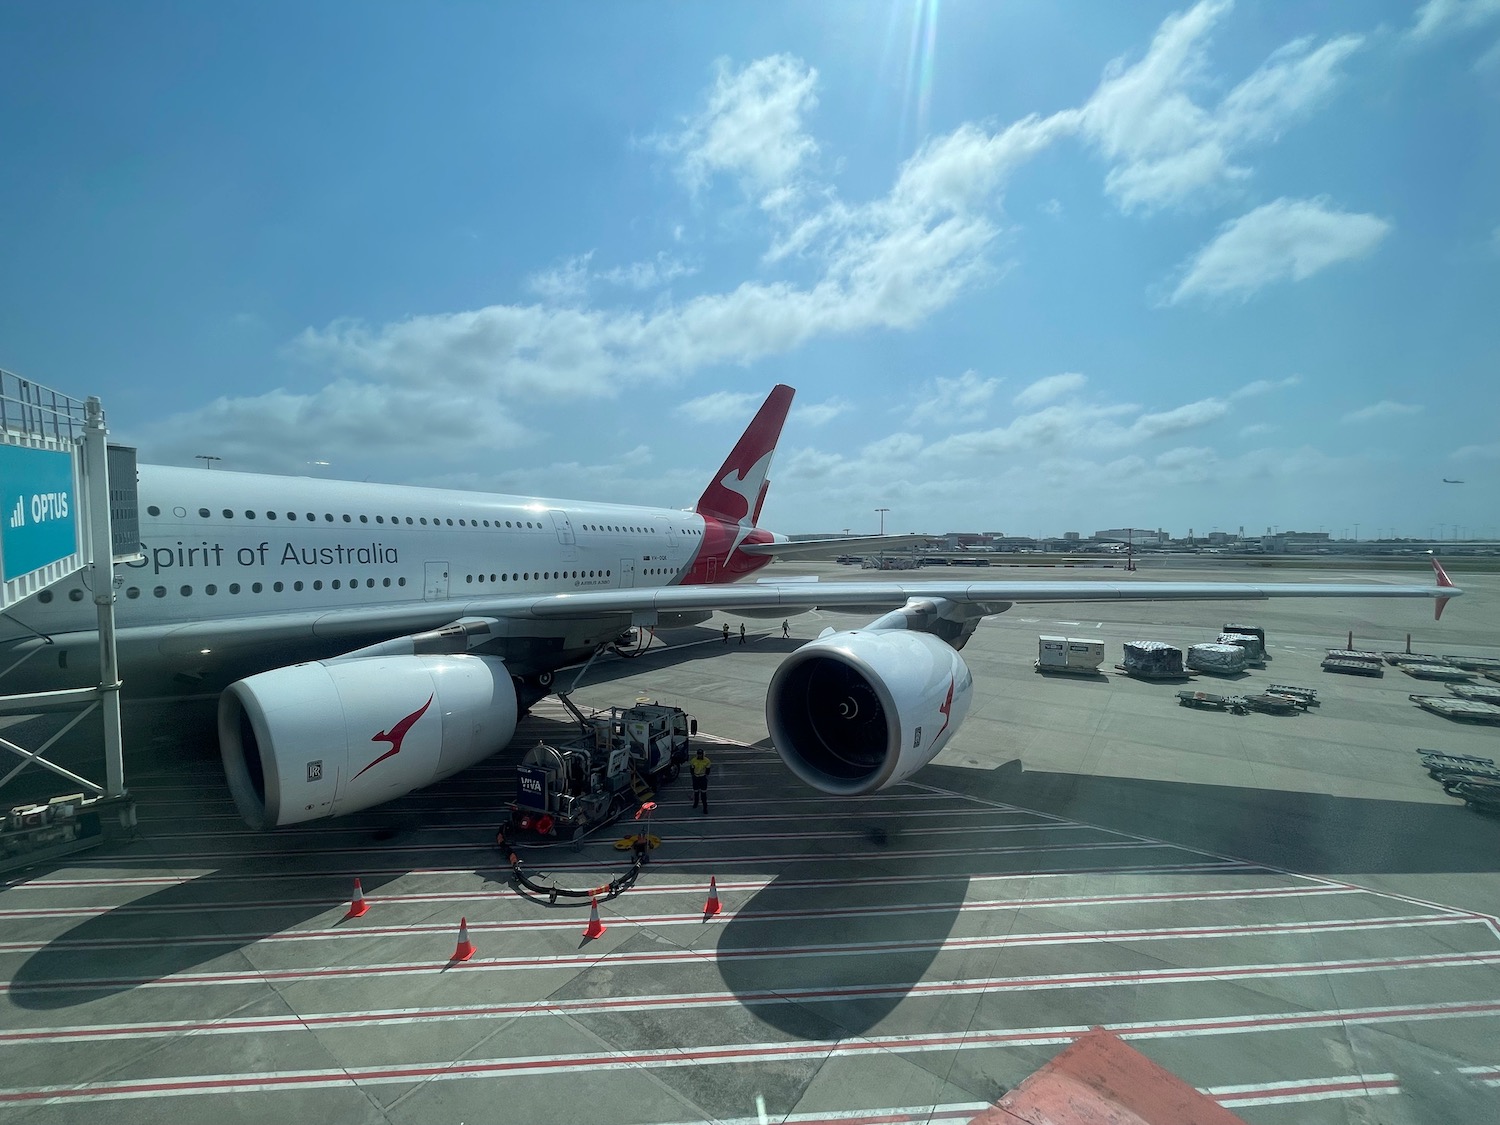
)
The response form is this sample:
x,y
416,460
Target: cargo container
x,y
1152,660
1220,660
1079,656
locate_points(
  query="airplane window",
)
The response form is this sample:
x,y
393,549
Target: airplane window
x,y
297,586
203,512
408,519
492,577
153,510
210,589
380,519
133,592
514,577
503,577
328,516
460,523
234,587
507,523
346,518
424,521
450,523
256,588
468,578
385,581
311,517
335,583
291,515
75,595
400,582
317,584
369,583
186,591
278,587
527,576
364,519
249,515
270,515
228,515
160,592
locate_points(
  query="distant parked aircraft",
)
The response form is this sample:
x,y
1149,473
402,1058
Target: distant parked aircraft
x,y
1447,481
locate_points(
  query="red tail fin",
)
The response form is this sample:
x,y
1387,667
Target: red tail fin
x,y
1443,581
738,489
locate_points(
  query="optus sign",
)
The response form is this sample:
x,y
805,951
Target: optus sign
x,y
38,509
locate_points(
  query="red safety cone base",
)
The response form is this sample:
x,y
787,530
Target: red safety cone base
x,y
713,905
358,907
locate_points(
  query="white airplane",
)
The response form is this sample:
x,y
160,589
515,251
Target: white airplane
x,y
376,638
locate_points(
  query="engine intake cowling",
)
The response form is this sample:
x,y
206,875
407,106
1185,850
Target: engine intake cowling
x,y
852,713
324,739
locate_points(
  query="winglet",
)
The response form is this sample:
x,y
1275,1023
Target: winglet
x,y
1444,582
738,489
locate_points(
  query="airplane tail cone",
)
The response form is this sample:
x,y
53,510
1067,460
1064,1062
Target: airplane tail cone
x,y
595,927
465,948
713,905
358,907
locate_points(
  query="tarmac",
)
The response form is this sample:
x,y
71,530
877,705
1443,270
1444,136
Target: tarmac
x,y
1284,910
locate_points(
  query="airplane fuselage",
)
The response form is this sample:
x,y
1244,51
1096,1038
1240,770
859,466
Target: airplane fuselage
x,y
229,546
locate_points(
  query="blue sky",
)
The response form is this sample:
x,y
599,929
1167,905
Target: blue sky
x,y
1032,266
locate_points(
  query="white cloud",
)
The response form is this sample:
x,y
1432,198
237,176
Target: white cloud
x,y
944,400
1385,408
752,129
721,406
1265,386
1289,239
1164,146
1052,387
565,283
1052,207
1477,452
1256,429
821,413
1443,17
1080,427
649,274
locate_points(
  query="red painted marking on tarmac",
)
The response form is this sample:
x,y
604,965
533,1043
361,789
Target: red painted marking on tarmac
x,y
682,956
680,919
1226,1024
656,1058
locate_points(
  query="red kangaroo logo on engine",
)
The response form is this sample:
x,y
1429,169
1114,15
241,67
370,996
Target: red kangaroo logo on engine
x,y
947,711
397,734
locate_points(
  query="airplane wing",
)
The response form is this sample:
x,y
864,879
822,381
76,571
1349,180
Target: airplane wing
x,y
640,606
821,548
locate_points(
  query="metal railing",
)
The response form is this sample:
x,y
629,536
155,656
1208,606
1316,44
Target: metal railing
x,y
39,411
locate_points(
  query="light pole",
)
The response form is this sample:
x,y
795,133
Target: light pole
x,y
882,512
208,459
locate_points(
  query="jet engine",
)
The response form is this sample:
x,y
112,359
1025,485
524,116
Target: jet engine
x,y
328,738
852,713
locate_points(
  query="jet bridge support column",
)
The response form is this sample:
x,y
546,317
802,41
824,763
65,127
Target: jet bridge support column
x,y
102,582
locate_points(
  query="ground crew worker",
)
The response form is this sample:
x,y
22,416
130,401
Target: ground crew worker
x,y
742,632
786,630
726,632
700,765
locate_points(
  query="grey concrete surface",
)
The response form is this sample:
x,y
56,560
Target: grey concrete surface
x,y
1284,910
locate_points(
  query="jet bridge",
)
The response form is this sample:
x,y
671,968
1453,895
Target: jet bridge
x,y
60,516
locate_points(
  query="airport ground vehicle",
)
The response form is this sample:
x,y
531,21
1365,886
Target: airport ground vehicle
x,y
619,759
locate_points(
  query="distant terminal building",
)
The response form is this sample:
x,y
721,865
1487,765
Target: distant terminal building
x,y
1071,536
1139,536
1294,542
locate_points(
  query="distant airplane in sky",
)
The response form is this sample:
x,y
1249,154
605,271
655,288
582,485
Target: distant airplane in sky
x,y
1447,481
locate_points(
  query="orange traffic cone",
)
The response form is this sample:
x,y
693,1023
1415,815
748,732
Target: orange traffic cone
x,y
358,907
465,948
595,927
713,905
